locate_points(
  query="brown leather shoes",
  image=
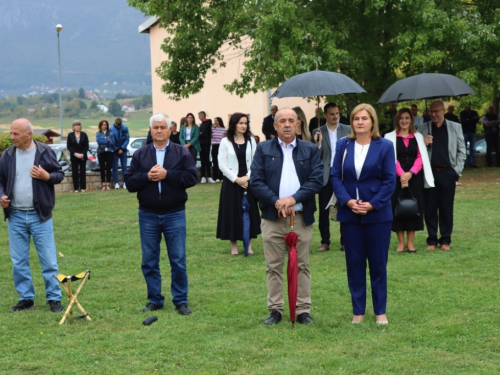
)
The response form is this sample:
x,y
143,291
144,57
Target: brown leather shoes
x,y
323,248
445,247
431,247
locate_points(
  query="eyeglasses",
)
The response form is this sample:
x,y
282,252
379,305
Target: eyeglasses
x,y
436,111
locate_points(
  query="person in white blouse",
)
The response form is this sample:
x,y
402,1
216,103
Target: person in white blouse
x,y
364,178
236,153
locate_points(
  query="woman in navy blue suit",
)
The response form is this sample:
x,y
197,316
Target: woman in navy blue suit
x,y
364,178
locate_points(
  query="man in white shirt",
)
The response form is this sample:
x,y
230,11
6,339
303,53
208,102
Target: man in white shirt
x,y
286,174
326,139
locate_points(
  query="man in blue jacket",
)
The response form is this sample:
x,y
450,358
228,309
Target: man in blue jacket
x,y
28,172
286,173
122,137
160,173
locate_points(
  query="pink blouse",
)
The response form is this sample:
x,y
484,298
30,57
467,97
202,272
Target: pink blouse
x,y
417,165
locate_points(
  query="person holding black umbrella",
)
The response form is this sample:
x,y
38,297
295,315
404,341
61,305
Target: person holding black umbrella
x,y
447,153
286,174
326,140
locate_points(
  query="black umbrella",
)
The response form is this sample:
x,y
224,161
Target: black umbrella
x,y
245,208
425,86
317,83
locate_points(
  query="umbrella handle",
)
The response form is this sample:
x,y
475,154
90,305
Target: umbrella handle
x,y
291,221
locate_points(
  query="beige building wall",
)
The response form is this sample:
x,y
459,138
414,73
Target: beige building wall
x,y
213,99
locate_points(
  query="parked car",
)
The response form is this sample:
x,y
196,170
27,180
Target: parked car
x,y
135,144
480,147
92,160
63,156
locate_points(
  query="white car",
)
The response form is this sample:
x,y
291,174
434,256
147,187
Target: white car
x,y
135,144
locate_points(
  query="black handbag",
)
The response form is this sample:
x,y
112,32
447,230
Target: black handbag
x,y
406,208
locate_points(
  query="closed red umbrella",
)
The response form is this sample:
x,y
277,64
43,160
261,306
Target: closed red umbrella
x,y
292,270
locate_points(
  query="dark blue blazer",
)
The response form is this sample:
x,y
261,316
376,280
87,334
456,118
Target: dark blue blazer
x,y
265,176
376,183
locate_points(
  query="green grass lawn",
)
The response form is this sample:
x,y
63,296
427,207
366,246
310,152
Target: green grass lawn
x,y
443,308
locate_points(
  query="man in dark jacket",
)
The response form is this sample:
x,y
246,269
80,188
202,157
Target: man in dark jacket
x,y
450,116
286,173
160,173
268,124
205,143
469,119
28,172
490,122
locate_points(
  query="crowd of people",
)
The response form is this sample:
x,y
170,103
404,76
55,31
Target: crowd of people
x,y
338,159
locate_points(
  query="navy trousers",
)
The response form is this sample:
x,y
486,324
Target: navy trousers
x,y
367,242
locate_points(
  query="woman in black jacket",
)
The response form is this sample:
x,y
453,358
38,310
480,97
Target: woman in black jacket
x,y
78,145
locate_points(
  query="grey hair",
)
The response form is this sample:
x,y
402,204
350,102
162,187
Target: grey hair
x,y
77,122
159,117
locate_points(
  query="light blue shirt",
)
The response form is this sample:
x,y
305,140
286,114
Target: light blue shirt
x,y
289,183
160,158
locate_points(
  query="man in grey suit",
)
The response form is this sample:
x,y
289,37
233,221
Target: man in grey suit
x,y
326,139
446,148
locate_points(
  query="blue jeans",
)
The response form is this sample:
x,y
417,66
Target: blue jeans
x,y
173,228
471,139
123,163
22,225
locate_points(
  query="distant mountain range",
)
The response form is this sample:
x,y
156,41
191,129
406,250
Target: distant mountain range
x,y
99,44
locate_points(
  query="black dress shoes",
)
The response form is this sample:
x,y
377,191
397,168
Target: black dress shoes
x,y
304,318
183,309
274,318
24,304
151,307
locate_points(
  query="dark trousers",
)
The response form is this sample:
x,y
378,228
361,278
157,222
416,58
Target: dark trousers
x,y
367,242
79,173
439,202
105,165
193,151
216,173
324,221
205,160
491,146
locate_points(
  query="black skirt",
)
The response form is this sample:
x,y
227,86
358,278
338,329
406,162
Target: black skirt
x,y
230,219
406,157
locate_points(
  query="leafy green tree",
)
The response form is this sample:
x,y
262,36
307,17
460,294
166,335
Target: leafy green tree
x,y
6,141
82,104
147,100
115,108
72,108
73,94
374,42
81,93
93,105
20,111
138,103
